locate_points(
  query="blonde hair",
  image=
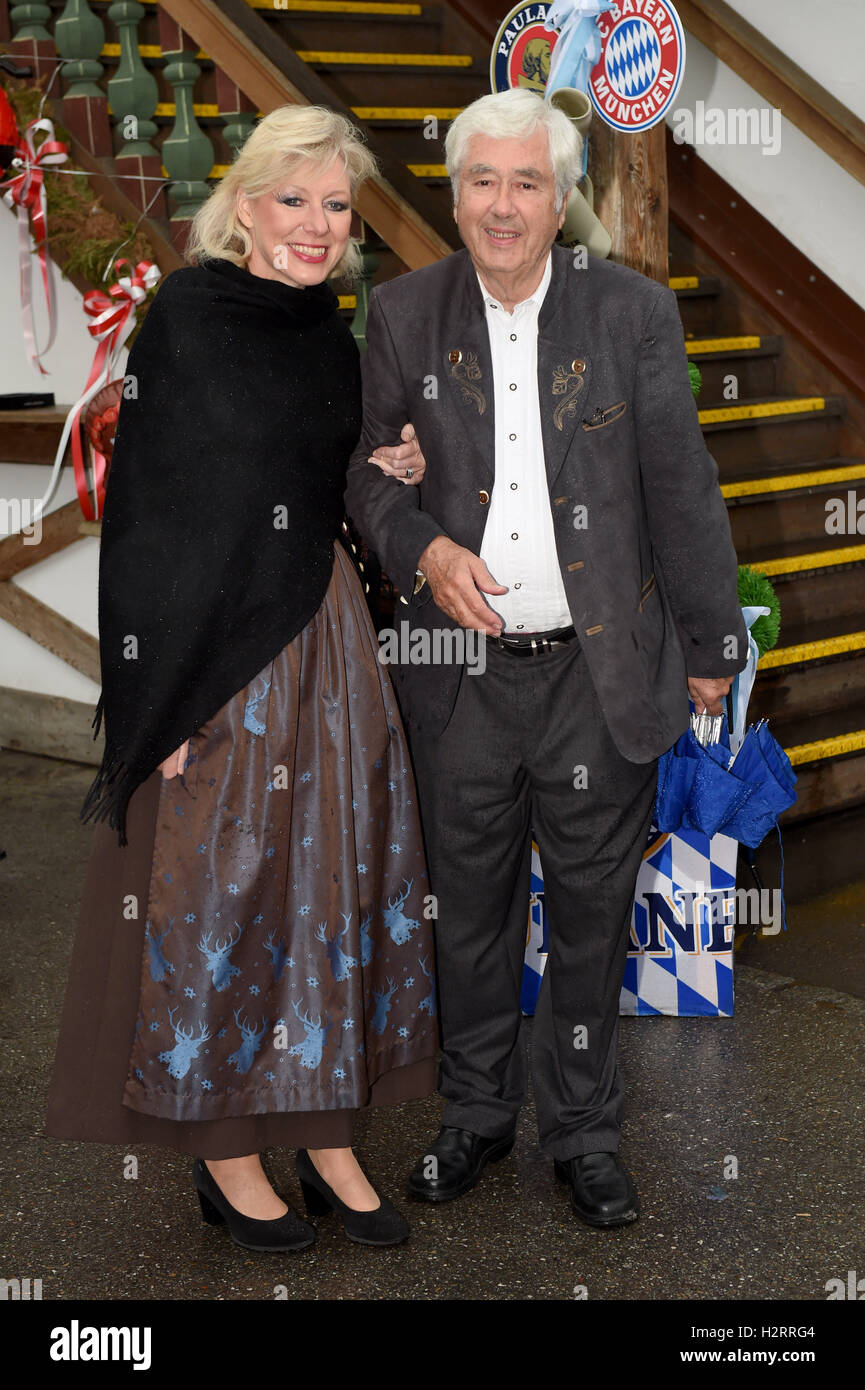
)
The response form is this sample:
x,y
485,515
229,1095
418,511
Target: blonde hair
x,y
286,137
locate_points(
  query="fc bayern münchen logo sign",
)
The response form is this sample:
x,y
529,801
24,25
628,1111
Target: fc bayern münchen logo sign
x,y
521,52
635,81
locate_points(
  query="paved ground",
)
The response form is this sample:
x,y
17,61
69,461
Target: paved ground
x,y
778,1089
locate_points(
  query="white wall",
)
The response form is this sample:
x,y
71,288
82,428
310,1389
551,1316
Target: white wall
x,y
66,581
68,361
812,201
826,38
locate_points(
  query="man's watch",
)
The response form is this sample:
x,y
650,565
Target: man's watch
x,y
420,580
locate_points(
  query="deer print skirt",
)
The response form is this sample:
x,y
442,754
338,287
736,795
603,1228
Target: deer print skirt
x,y
280,973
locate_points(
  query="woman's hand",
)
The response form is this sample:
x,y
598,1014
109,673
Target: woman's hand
x,y
403,461
173,766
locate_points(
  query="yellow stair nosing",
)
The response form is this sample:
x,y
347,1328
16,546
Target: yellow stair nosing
x,y
406,113
426,60
429,171
824,748
787,482
336,7
695,347
811,651
762,410
817,559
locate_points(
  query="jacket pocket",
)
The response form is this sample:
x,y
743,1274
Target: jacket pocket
x,y
608,416
647,590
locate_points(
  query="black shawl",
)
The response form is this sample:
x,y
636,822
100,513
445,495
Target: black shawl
x,y
241,409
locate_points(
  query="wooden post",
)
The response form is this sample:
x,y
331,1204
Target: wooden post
x,y
629,174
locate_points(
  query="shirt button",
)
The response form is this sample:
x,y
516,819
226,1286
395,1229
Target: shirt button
x,y
518,586
513,337
520,626
513,487
515,535
512,436
513,386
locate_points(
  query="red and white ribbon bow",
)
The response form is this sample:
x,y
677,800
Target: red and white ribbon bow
x,y
25,192
113,318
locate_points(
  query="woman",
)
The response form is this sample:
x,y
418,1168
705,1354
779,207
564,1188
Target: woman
x,y
253,961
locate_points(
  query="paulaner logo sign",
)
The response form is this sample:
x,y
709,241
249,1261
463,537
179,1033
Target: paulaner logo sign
x,y
521,52
635,81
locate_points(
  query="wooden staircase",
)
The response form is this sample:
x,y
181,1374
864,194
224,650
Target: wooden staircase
x,y
782,455
792,439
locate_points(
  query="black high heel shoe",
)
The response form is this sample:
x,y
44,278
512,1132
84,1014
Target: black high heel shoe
x,y
384,1226
287,1232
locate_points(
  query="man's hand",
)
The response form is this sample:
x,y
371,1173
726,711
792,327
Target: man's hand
x,y
708,694
403,461
173,766
455,575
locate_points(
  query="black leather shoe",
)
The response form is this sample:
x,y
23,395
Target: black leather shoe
x,y
602,1190
383,1226
459,1160
286,1232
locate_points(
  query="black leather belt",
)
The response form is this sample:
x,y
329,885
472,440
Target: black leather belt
x,y
534,643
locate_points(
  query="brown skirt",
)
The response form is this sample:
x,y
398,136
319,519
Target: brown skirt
x,y
256,964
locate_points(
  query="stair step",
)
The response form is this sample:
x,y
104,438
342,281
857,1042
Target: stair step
x,y
755,490
768,412
816,738
750,360
694,286
766,511
336,8
802,679
333,58
790,561
823,587
771,434
830,766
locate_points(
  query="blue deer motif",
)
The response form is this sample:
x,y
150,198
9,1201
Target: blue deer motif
x,y
244,1057
367,946
312,1047
428,1005
382,1006
185,1050
250,722
278,956
341,965
159,965
400,926
218,960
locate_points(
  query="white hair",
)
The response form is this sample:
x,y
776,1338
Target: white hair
x,y
516,114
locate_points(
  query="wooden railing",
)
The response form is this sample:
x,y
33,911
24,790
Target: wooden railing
x,y
776,77
255,72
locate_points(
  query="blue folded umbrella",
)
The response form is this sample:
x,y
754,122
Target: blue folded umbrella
x,y
703,788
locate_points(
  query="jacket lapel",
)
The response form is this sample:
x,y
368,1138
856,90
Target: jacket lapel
x,y
564,370
466,365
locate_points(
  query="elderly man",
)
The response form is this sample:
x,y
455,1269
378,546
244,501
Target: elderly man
x,y
571,514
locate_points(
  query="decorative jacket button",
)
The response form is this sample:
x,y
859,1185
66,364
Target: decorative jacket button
x,y
578,366
455,355
483,497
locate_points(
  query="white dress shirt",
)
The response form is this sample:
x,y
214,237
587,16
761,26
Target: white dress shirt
x,y
519,544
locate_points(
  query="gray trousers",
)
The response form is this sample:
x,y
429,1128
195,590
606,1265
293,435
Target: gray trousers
x,y
506,764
